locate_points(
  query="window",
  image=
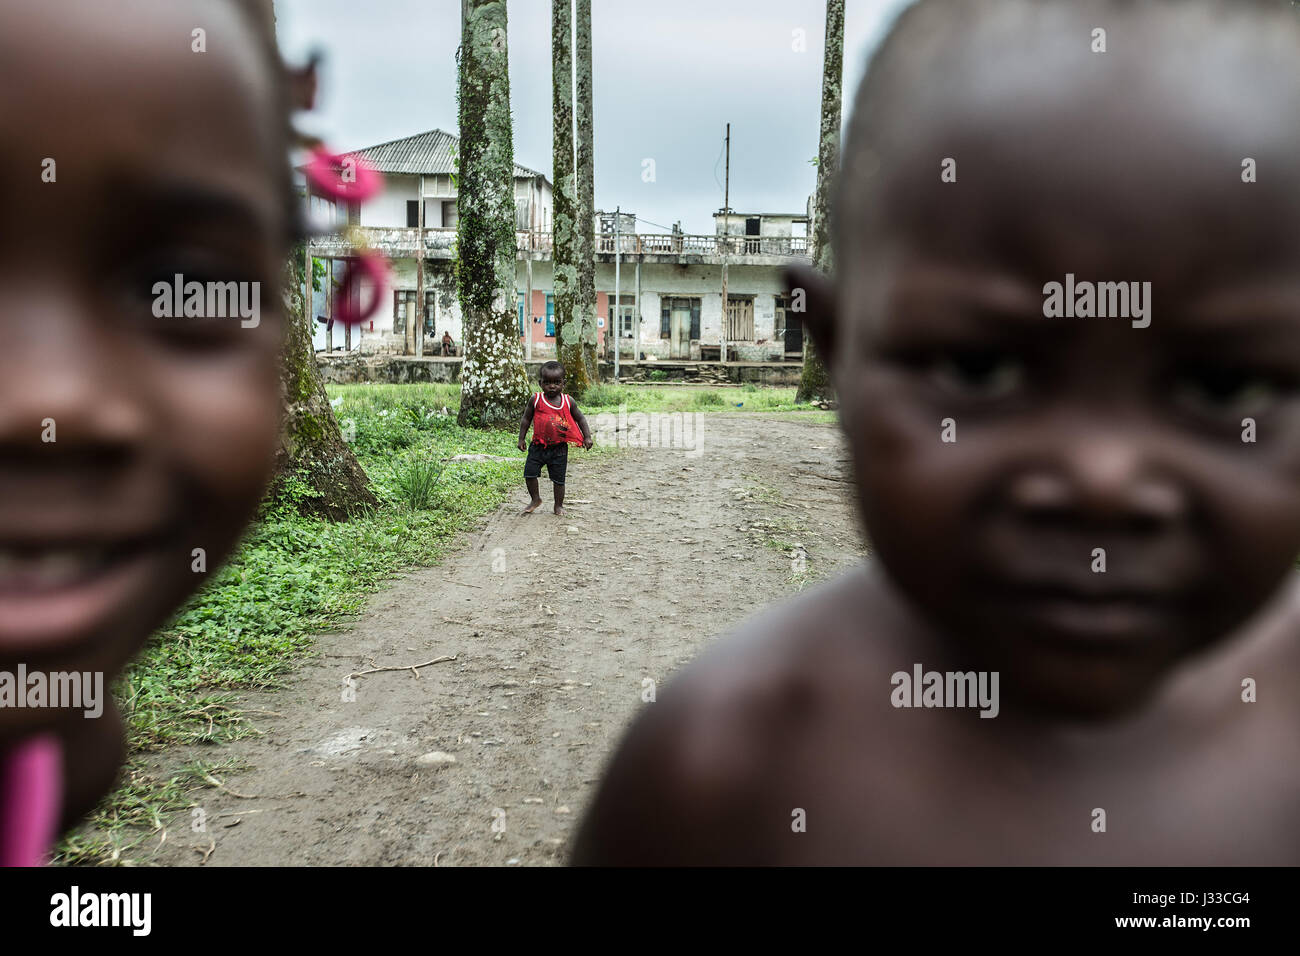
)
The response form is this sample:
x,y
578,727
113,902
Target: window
x,y
430,304
412,212
324,211
522,327
626,309
740,318
401,298
550,316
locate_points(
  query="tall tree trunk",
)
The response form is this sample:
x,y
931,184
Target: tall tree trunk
x,y
586,306
815,384
568,327
312,450
494,384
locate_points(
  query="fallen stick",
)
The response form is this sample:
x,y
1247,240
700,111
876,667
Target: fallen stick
x,y
218,784
413,668
240,813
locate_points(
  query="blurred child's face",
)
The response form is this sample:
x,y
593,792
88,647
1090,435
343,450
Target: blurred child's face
x,y
1078,434
163,428
552,383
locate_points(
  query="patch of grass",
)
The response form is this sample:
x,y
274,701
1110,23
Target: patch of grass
x,y
607,396
417,479
134,812
642,397
776,530
709,399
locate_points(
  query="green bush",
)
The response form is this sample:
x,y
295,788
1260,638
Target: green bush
x,y
611,396
709,399
416,479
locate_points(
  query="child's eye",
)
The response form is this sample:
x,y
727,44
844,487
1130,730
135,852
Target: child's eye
x,y
977,374
154,307
1228,391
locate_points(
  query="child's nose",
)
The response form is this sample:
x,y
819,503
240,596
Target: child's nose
x,y
1104,477
58,365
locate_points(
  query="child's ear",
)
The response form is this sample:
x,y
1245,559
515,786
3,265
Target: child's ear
x,y
812,297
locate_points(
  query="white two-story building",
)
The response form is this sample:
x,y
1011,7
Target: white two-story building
x,y
670,288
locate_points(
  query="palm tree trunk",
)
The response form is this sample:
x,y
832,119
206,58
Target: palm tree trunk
x,y
815,384
568,327
586,306
494,384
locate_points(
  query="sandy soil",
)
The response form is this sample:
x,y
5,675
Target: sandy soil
x,y
554,622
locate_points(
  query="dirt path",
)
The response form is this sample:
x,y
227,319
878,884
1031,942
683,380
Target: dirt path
x,y
554,622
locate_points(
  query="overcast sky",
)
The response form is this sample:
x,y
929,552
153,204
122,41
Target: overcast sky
x,y
667,77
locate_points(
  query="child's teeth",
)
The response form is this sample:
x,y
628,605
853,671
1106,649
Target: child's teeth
x,y
58,567
46,568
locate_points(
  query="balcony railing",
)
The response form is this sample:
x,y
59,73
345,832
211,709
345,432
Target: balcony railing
x,y
703,245
403,243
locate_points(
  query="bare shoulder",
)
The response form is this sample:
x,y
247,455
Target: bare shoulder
x,y
704,754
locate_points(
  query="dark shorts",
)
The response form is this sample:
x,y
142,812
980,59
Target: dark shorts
x,y
554,457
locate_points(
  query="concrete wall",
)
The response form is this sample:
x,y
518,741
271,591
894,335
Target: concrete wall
x,y
773,224
388,209
359,368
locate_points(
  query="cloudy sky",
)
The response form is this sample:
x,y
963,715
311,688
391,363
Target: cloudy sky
x,y
668,76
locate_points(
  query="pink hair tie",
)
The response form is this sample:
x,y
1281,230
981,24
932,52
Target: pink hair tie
x,y
370,265
342,177
31,791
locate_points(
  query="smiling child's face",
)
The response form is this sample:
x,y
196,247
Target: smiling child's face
x,y
163,429
1077,434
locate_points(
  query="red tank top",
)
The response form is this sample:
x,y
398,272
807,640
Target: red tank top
x,y
554,426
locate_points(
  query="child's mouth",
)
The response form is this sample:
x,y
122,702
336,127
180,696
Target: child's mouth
x,y
56,594
1106,618
49,569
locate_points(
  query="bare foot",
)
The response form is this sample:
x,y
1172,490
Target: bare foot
x,y
533,506
559,509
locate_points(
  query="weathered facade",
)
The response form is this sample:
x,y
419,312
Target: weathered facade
x,y
670,285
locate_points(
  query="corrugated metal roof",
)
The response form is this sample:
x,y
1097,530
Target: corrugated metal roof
x,y
426,154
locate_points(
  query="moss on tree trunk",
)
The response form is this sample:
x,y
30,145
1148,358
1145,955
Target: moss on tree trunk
x,y
815,383
494,384
568,327
315,469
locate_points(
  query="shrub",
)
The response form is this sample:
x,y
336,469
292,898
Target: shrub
x,y
415,480
605,395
